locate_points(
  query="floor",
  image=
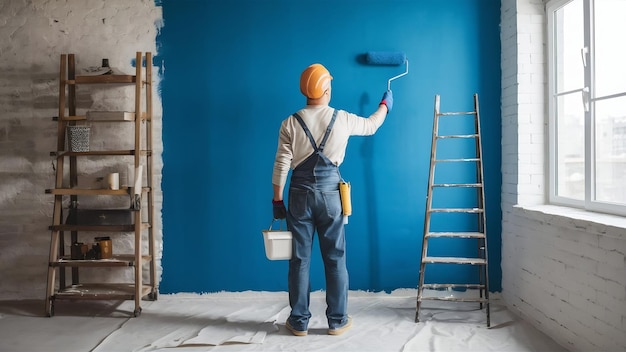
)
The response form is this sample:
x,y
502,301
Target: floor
x,y
254,321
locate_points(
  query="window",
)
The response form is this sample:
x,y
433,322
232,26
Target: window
x,y
587,104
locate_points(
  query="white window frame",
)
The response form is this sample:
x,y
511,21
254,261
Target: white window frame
x,y
586,53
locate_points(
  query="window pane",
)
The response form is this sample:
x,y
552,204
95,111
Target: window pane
x,y
569,31
610,51
570,150
610,150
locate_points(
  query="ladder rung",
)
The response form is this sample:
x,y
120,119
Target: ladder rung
x,y
456,210
454,260
457,113
446,286
453,299
459,136
458,185
455,160
456,234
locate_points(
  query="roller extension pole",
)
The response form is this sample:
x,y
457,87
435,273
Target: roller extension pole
x,y
398,76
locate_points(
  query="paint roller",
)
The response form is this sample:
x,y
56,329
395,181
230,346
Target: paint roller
x,y
388,58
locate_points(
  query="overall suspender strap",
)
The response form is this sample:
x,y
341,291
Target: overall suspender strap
x,y
306,130
308,133
328,129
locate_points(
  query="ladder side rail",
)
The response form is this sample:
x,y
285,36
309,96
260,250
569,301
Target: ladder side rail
x,y
71,105
479,197
58,200
150,174
433,153
138,283
59,239
433,161
479,173
483,216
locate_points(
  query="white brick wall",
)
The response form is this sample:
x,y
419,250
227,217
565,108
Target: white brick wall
x,y
33,34
564,271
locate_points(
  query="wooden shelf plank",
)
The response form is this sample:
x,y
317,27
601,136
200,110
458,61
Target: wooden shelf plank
x,y
95,152
143,116
97,228
93,192
102,79
130,152
117,260
120,291
89,191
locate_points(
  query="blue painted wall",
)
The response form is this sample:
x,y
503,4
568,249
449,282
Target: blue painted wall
x,y
231,76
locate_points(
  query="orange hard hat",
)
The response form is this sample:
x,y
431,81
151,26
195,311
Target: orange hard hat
x,y
314,81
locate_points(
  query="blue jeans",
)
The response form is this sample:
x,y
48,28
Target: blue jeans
x,y
311,210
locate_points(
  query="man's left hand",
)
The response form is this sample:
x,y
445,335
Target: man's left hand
x,y
280,212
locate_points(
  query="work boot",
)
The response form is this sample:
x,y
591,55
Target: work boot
x,y
342,328
295,331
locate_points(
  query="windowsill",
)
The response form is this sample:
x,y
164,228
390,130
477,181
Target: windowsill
x,y
604,224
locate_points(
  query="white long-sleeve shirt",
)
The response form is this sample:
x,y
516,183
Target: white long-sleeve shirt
x,y
294,145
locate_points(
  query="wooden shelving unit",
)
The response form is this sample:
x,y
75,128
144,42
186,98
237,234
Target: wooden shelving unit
x,y
67,193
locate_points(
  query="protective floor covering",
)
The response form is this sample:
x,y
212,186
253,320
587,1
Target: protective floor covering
x,y
255,321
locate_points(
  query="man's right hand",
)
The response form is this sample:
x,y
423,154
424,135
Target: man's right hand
x,y
387,100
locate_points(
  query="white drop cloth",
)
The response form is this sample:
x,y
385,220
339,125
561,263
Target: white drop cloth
x,y
254,321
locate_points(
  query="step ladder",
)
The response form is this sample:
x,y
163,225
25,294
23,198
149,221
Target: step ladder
x,y
461,228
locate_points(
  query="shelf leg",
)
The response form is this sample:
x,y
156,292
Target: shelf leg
x,y
54,248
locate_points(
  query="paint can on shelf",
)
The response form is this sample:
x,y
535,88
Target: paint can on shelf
x,y
106,248
113,181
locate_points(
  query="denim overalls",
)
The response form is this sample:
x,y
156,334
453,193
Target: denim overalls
x,y
315,204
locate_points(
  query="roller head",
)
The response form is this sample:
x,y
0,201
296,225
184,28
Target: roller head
x,y
392,58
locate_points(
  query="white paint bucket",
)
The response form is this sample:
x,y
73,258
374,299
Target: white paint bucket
x,y
277,244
